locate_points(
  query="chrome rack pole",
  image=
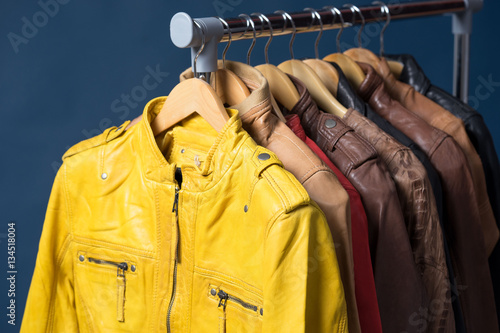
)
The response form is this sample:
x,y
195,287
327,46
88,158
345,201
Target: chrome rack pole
x,y
184,33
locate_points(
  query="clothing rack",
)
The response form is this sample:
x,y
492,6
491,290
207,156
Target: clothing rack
x,y
202,35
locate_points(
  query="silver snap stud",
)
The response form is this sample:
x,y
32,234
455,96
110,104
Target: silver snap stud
x,y
330,123
81,257
213,292
104,175
261,311
132,268
116,130
183,150
264,156
246,208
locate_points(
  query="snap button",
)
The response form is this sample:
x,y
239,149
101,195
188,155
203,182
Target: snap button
x,y
132,268
213,292
245,208
330,123
104,175
261,311
264,156
81,257
119,128
182,151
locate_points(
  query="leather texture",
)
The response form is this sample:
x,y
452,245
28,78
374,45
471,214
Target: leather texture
x,y
420,214
349,98
239,223
462,228
320,182
366,295
400,290
438,117
478,134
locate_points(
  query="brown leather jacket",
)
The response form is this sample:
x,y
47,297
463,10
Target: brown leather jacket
x,y
462,219
400,290
320,182
436,116
420,213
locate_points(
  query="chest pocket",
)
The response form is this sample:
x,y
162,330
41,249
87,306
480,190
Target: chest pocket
x,y
111,291
225,306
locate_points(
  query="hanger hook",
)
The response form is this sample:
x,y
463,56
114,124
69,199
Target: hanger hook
x,y
337,13
285,17
385,10
316,15
200,49
271,33
228,42
250,22
355,9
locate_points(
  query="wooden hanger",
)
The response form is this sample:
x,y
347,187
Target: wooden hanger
x,y
326,72
351,70
396,68
319,92
228,85
280,85
191,96
188,97
306,74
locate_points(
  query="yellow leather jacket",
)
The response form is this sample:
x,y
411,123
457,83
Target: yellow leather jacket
x,y
216,237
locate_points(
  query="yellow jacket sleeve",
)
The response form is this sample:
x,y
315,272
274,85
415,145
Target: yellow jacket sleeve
x,y
303,291
50,305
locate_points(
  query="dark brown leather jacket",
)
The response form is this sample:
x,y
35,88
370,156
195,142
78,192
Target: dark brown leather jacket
x,y
400,290
421,217
462,219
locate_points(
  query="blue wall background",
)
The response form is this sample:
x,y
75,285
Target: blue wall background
x,y
64,83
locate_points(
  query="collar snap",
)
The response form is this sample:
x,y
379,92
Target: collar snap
x,y
264,156
330,123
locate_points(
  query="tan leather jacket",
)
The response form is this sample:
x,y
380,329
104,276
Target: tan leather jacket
x,y
228,242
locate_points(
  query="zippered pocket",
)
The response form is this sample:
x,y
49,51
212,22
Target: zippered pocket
x,y
110,292
234,308
121,268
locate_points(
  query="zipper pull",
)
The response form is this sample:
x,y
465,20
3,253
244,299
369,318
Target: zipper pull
x,y
223,299
121,268
175,208
120,283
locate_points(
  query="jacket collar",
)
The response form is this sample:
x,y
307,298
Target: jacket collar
x,y
221,148
346,94
256,110
412,73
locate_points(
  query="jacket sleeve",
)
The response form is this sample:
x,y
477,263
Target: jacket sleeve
x,y
50,305
303,291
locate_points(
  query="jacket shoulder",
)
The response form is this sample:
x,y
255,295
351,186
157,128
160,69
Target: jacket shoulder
x,y
278,181
98,140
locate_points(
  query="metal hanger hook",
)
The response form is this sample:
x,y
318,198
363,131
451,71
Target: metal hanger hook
x,y
271,33
285,17
201,47
228,42
355,9
337,13
385,10
250,22
316,15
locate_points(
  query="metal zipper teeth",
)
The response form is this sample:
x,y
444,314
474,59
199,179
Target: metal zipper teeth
x,y
174,283
121,265
242,303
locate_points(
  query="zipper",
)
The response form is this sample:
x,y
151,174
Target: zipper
x,y
175,209
121,267
225,297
